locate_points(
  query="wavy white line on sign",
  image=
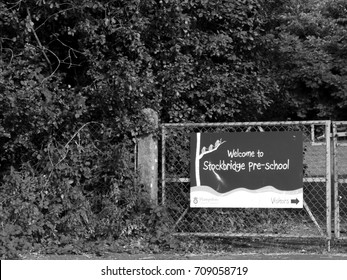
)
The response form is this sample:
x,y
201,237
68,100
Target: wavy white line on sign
x,y
242,190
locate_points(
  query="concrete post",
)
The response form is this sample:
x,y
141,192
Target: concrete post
x,y
147,159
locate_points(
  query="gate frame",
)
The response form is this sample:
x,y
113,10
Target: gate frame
x,y
336,181
328,173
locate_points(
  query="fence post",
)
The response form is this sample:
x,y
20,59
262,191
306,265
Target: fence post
x,y
147,159
335,183
328,180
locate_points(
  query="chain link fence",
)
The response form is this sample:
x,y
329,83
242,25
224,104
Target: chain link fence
x,y
313,220
340,179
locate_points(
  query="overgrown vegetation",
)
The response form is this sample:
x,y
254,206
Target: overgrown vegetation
x,y
76,75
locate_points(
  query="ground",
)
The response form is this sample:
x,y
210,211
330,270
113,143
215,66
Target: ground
x,y
242,249
216,256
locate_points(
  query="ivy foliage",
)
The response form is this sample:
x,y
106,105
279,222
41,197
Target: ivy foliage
x,y
190,60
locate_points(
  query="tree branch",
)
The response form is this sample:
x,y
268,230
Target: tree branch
x,y
37,39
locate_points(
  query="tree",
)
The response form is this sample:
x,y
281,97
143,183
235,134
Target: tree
x,y
207,60
309,55
64,63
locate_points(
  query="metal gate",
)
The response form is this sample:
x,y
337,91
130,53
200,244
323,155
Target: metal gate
x,y
313,220
340,179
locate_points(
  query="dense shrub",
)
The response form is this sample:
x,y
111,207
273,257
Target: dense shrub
x,y
83,190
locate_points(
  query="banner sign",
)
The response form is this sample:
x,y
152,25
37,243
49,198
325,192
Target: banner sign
x,y
247,169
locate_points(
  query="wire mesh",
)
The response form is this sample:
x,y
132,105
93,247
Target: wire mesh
x,y
311,221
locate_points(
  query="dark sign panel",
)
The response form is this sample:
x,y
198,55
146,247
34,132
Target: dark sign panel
x,y
250,169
